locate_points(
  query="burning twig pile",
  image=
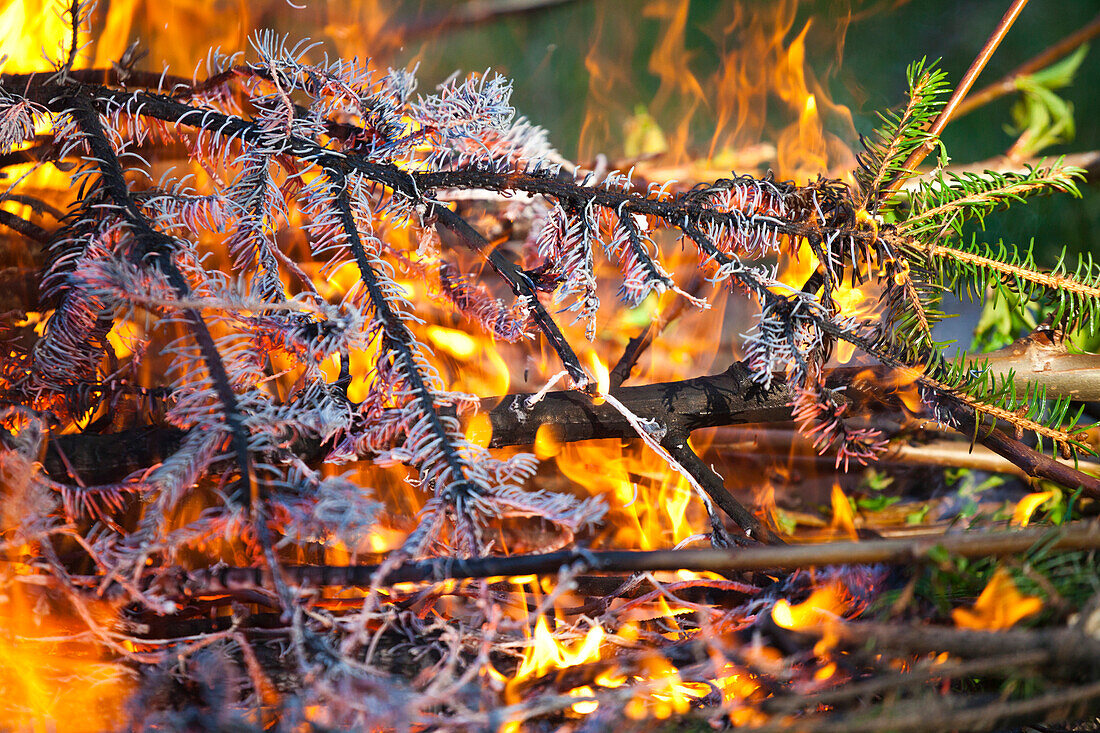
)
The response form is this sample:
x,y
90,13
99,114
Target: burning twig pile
x,y
197,377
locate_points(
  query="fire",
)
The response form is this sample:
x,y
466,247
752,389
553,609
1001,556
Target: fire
x,y
547,443
1027,506
25,51
457,343
479,430
666,694
1000,605
545,653
602,374
824,604
843,516
40,657
651,507
36,30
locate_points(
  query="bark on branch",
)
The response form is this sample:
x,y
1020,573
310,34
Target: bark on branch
x,y
1078,536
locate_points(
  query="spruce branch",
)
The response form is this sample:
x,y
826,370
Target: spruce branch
x,y
946,202
890,145
984,54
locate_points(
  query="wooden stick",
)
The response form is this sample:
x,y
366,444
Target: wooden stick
x,y
1007,84
967,82
1075,536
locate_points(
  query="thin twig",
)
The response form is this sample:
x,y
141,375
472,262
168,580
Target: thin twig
x,y
967,82
638,345
677,446
1007,84
1031,461
949,713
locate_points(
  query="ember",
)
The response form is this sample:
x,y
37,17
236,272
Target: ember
x,y
277,335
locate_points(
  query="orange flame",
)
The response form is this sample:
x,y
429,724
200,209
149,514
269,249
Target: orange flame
x,y
823,605
41,659
1000,605
843,517
546,653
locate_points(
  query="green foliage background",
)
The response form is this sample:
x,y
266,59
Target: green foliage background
x,y
544,53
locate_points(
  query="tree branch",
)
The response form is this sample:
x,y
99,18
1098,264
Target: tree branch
x,y
1076,536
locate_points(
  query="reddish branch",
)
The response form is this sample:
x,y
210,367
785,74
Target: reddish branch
x,y
961,91
1008,83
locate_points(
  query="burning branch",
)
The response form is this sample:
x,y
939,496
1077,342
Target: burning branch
x,y
200,352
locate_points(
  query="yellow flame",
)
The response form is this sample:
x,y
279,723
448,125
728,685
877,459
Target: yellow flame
x,y
546,653
123,336
852,302
600,371
663,695
843,518
1026,507
32,31
456,343
547,444
53,685
479,430
1000,605
824,603
584,707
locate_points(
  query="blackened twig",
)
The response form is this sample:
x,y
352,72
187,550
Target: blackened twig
x,y
638,345
27,228
677,445
1031,461
521,285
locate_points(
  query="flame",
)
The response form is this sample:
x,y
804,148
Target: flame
x,y
843,516
665,693
479,430
546,653
602,374
1000,605
1027,506
51,679
458,344
584,707
823,605
547,443
651,508
33,30
852,302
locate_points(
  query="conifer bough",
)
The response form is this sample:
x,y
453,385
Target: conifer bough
x,y
352,154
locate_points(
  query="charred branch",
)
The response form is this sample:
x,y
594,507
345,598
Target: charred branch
x,y
1081,536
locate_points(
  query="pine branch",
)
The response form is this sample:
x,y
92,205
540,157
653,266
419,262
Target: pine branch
x,y
900,135
447,472
1073,290
948,201
159,248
